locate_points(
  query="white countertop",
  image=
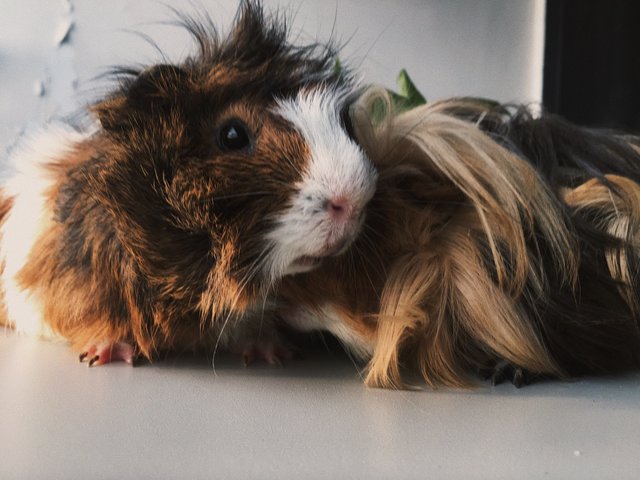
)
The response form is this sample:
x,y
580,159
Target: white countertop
x,y
311,419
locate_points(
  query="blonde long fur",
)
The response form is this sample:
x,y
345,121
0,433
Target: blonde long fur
x,y
442,308
438,298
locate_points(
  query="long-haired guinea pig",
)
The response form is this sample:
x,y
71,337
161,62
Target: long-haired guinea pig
x,y
497,241
202,184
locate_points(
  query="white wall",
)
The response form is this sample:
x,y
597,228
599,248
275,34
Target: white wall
x,y
491,48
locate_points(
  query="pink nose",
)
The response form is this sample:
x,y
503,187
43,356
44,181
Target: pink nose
x,y
339,208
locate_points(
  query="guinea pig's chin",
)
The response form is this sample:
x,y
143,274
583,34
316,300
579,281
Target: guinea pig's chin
x,y
302,265
306,263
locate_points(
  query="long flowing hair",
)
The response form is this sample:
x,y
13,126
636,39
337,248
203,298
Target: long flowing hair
x,y
496,248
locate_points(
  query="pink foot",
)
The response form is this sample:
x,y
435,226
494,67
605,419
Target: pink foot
x,y
271,352
106,352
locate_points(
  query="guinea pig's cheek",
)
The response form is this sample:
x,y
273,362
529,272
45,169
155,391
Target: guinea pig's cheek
x,y
325,213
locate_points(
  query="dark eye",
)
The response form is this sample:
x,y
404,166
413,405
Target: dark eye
x,y
234,136
347,124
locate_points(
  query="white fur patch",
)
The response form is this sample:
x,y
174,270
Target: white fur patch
x,y
337,168
28,184
328,319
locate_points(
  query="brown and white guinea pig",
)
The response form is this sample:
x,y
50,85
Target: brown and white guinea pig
x,y
201,186
497,241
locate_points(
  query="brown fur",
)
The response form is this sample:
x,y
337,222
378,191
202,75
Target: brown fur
x,y
128,260
155,233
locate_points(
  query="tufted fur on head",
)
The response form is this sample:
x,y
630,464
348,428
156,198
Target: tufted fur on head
x,y
155,229
495,237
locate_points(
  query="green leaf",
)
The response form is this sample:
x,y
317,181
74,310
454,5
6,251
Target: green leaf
x,y
409,96
337,66
408,89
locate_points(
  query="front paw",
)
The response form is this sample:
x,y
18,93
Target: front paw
x,y
503,370
101,353
271,353
272,350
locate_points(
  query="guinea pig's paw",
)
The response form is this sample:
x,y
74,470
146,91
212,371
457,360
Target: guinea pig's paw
x,y
504,370
106,352
273,351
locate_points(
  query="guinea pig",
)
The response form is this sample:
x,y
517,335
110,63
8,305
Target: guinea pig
x,y
202,184
498,242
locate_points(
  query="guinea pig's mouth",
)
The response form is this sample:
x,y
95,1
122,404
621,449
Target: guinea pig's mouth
x,y
309,262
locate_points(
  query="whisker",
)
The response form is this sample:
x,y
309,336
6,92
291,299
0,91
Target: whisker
x,y
354,363
371,243
363,261
237,195
253,269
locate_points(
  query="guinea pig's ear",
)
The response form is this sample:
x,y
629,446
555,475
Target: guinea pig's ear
x,y
154,90
160,83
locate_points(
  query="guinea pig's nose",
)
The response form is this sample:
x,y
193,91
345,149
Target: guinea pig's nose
x,y
339,208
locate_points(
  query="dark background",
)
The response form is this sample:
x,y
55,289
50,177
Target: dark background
x,y
592,62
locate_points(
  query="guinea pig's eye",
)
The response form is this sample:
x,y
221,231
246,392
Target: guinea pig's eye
x,y
347,124
234,136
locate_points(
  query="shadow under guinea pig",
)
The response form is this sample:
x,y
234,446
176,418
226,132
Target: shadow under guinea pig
x,y
317,355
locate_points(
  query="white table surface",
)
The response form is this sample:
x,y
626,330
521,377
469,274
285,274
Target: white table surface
x,y
311,419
